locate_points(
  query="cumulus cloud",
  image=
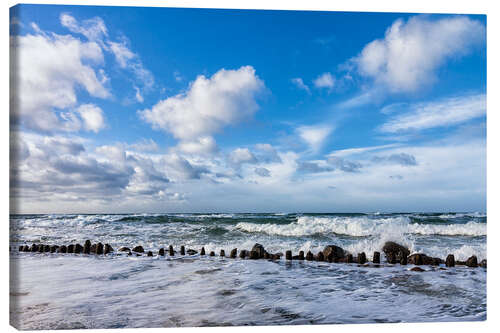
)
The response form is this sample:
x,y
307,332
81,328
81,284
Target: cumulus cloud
x,y
263,172
314,136
266,153
325,80
92,116
210,104
407,57
240,156
299,83
202,146
445,112
400,158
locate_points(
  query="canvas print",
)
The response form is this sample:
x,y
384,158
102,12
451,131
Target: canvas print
x,y
182,167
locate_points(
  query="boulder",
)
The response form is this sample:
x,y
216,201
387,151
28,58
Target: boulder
x,y
376,257
62,249
41,247
471,262
243,254
301,255
450,260
183,250
333,253
288,255
233,253
71,248
222,253
212,254
417,269
99,248
171,251
309,256
53,248
420,259
391,258
395,251
436,261
349,259
191,252
138,249
254,254
86,247
361,258
150,254
46,248
320,256
483,263
161,252
259,249
108,248
404,259
123,249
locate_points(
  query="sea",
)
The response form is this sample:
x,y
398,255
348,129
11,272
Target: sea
x,y
65,291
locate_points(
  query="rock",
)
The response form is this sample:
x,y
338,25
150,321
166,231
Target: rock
x,y
267,255
309,256
123,249
436,261
450,260
301,255
395,251
41,247
63,249
34,248
243,254
404,259
99,249
53,248
222,253
78,248
233,253
288,255
183,250
26,248
138,249
161,252
361,258
150,254
419,259
212,254
471,262
333,253
21,248
86,247
46,248
460,263
349,259
171,251
483,263
275,256
259,249
71,248
254,254
191,252
417,269
376,257
93,248
108,248
202,251
320,256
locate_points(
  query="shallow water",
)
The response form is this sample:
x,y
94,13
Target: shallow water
x,y
55,291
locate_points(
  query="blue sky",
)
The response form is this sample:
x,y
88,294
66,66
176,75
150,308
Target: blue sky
x,y
118,109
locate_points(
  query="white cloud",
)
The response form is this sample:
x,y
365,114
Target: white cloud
x,y
314,136
406,59
46,71
299,83
241,155
210,104
445,112
144,145
94,29
93,117
360,150
202,146
263,172
325,80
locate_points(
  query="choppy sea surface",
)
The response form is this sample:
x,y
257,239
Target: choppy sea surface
x,y
61,291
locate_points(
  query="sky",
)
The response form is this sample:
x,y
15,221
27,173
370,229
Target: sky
x,y
129,109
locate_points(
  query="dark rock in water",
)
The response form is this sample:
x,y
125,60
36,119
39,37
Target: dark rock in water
x,y
361,258
349,259
139,249
161,252
212,254
417,259
99,248
254,255
86,247
309,256
233,253
460,263
320,256
450,260
295,257
259,249
171,250
123,249
21,248
202,251
26,248
243,254
288,255
71,248
483,263
301,255
417,269
267,255
108,248
436,261
376,257
34,248
275,256
333,253
183,250
191,252
78,248
53,248
150,254
395,252
222,253
62,249
404,259
471,262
